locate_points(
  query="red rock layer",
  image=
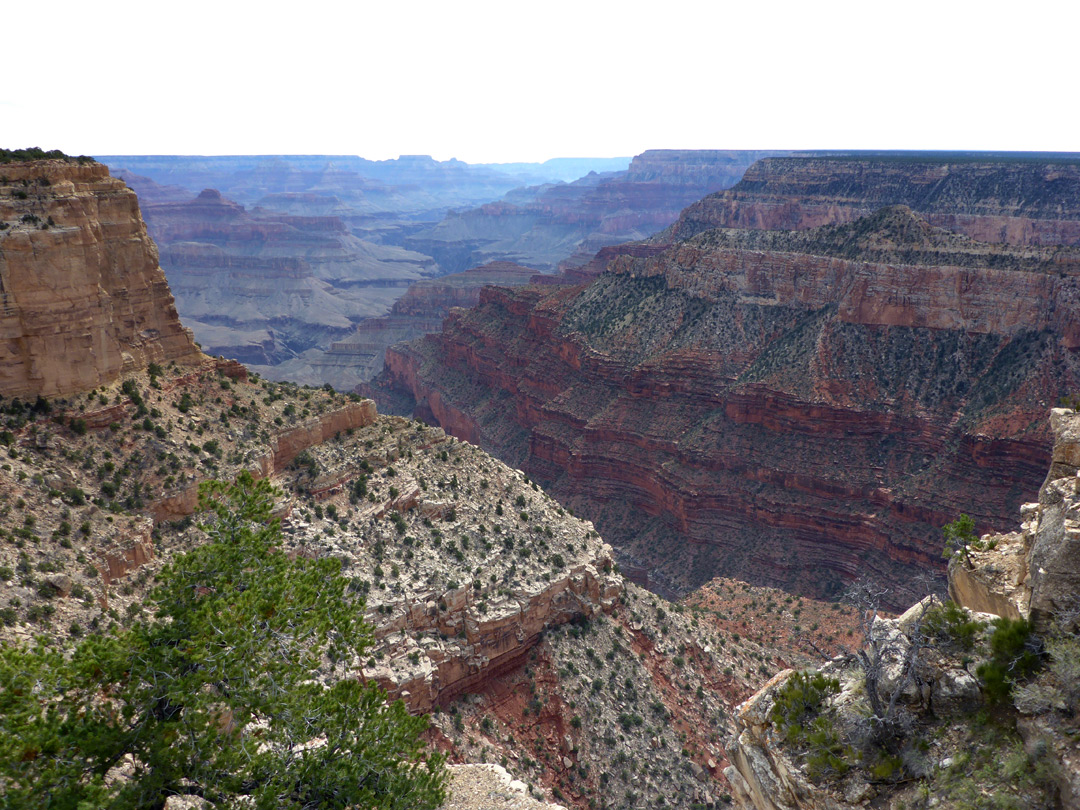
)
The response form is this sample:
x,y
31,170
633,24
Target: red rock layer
x,y
1023,202
791,420
83,297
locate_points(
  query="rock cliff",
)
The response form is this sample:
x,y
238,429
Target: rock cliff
x,y
770,406
1031,575
84,299
1019,199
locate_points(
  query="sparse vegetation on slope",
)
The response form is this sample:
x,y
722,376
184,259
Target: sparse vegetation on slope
x,y
237,688
36,153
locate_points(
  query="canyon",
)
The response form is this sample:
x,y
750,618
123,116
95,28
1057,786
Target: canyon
x,y
293,264
263,287
790,408
478,585
360,353
553,225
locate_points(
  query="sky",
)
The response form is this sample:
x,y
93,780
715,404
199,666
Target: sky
x,y
527,81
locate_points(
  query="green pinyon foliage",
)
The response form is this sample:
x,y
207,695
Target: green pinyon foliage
x,y
241,691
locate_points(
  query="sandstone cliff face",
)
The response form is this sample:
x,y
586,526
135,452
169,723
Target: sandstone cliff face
x,y
764,414
84,299
1019,201
1033,573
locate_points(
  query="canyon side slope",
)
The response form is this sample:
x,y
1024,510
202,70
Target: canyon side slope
x,y
794,409
492,605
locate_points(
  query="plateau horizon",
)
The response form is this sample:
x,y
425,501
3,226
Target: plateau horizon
x,y
488,82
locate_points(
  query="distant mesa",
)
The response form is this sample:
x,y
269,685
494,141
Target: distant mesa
x,y
289,263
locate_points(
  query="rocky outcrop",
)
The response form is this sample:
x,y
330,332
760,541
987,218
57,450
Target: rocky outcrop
x,y
1026,199
1030,574
764,410
83,298
485,644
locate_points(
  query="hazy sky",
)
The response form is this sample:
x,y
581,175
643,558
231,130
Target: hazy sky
x,y
507,81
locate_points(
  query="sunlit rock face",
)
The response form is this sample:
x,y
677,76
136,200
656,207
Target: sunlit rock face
x,y
84,299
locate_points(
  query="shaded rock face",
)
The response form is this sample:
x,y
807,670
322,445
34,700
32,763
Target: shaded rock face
x,y
565,224
765,412
84,299
1023,202
1053,556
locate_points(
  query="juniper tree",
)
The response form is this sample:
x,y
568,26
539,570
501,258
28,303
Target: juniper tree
x,y
242,690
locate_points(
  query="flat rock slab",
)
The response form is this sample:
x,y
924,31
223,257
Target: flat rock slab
x,y
489,787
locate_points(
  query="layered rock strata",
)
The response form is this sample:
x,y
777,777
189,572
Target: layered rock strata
x,y
83,298
1030,574
359,356
568,223
1020,199
263,286
764,409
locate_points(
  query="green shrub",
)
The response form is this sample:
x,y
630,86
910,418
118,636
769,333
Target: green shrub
x,y
798,716
244,627
952,625
958,536
1015,655
799,701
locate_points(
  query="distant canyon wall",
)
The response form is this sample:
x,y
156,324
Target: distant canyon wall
x,y
1024,202
787,418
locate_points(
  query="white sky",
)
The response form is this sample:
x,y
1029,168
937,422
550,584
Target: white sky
x,y
508,81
